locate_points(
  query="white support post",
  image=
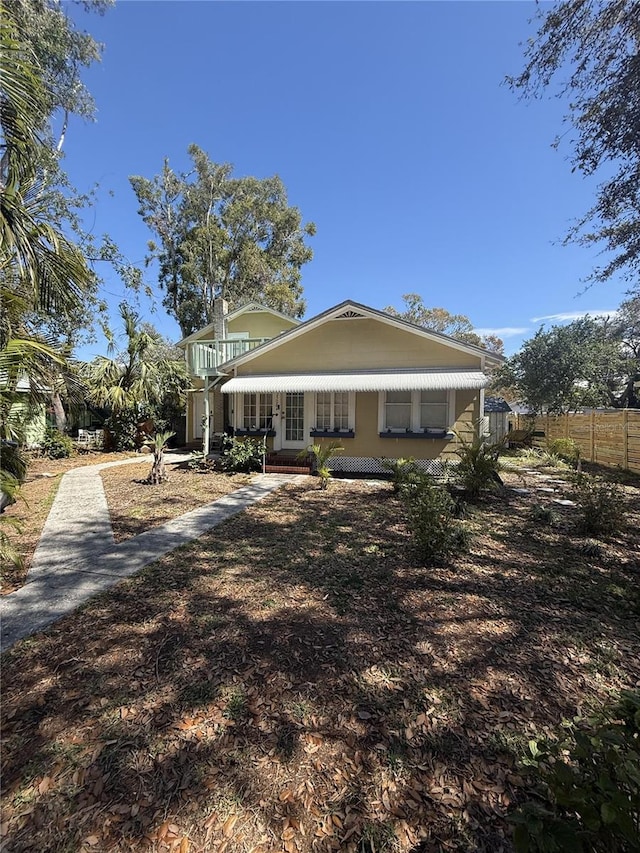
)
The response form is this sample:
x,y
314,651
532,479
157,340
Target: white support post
x,y
206,418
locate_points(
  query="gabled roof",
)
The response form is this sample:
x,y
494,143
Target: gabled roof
x,y
495,404
355,310
237,312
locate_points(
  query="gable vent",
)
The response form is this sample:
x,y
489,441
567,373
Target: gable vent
x,y
350,315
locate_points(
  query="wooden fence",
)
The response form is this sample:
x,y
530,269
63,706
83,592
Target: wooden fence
x,y
606,436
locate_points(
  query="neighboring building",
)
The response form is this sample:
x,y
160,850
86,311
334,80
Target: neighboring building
x,y
28,416
381,386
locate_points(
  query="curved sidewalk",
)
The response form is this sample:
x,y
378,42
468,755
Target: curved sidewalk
x,y
77,557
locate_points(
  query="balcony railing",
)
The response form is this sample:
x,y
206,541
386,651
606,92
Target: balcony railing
x,y
205,357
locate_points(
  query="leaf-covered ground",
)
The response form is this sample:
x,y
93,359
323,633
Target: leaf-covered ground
x,y
297,681
135,506
32,508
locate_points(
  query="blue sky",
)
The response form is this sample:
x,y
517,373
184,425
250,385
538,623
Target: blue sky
x,y
391,128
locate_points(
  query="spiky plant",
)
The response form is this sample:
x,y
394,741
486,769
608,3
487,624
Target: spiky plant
x,y
158,472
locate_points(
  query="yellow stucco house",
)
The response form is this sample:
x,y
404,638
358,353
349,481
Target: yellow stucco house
x,y
380,386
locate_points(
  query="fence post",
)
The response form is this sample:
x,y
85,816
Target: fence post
x,y
593,436
625,439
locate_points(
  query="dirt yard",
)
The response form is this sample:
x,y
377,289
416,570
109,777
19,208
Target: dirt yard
x,y
296,680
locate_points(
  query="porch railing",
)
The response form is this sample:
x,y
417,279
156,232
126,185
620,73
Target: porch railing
x,y
205,357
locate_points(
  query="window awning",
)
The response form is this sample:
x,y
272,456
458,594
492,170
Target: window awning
x,y
387,380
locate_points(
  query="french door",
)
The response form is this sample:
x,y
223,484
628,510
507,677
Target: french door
x,y
293,437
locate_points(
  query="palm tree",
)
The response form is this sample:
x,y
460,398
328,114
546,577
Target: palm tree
x,y
158,473
322,455
134,381
40,269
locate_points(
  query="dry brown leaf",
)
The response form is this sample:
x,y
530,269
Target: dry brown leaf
x,y
227,826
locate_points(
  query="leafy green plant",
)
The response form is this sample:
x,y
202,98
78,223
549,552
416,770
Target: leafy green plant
x,y
431,518
403,471
9,493
241,454
200,463
122,430
542,515
479,464
322,456
55,444
588,786
601,505
565,449
159,444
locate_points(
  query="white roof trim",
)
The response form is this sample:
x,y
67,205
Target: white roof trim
x,y
380,380
339,311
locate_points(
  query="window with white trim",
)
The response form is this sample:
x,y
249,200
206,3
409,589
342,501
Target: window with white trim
x,y
334,411
434,410
257,411
416,411
397,410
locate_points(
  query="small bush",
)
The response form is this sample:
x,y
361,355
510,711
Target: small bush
x,y
55,444
588,786
479,465
322,456
241,455
431,519
122,430
565,449
542,515
403,471
601,505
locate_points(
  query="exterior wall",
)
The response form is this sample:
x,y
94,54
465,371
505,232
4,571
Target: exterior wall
x,y
195,406
260,324
357,344
367,442
35,423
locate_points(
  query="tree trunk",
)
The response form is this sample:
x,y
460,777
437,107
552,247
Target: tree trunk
x,y
59,412
158,473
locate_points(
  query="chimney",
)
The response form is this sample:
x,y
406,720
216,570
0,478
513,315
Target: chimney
x,y
220,311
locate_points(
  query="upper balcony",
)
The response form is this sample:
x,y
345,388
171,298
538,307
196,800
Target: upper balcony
x,y
204,357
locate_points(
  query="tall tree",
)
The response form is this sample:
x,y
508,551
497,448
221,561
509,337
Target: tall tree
x,y
585,363
145,379
41,270
220,236
457,326
590,50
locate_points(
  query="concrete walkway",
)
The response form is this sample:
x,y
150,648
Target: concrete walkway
x,y
77,557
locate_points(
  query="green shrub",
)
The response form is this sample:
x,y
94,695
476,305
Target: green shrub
x,y
565,449
122,430
241,454
543,516
587,786
403,471
322,456
601,505
431,519
55,444
479,465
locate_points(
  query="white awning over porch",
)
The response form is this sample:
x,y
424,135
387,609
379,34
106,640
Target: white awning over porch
x,y
384,380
